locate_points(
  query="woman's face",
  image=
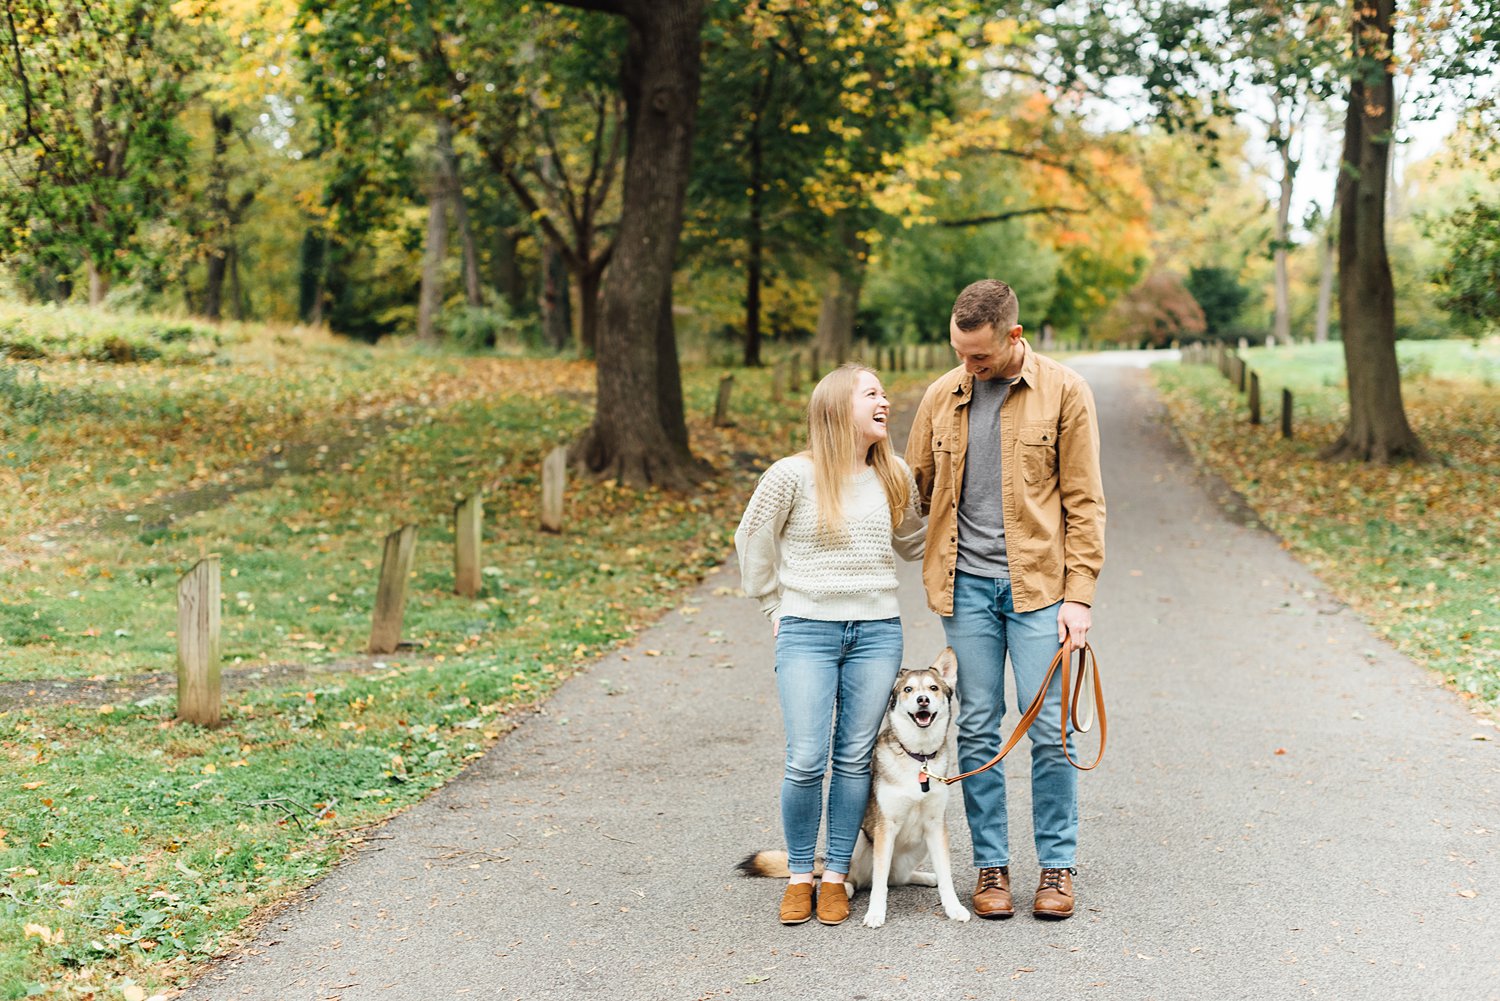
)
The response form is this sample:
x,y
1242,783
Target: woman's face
x,y
871,409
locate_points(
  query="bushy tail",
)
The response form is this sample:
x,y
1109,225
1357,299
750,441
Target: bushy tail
x,y
770,864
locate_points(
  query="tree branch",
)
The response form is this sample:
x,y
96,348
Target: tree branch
x,y
1013,214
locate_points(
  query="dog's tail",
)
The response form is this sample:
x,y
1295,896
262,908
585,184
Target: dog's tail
x,y
770,864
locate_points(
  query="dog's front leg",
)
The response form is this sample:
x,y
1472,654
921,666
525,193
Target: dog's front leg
x,y
884,845
937,849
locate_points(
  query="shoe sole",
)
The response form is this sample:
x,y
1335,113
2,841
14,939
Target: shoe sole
x,y
799,921
1052,915
833,923
996,915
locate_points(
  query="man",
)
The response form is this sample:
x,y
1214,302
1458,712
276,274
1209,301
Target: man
x,y
1005,450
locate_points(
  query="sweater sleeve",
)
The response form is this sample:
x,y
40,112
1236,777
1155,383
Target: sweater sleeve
x,y
757,541
909,537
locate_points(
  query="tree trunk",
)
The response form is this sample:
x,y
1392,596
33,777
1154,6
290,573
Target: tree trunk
x,y
506,269
453,180
236,289
98,283
430,300
840,302
557,299
213,287
755,269
1282,324
1325,276
590,281
631,440
1378,430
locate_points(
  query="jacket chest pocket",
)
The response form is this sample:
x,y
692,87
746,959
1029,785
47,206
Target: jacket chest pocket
x,y
1038,452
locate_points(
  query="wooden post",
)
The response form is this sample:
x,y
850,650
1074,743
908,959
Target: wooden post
x,y
813,373
1254,398
794,372
554,481
778,371
1239,373
1286,413
390,597
198,644
721,409
468,526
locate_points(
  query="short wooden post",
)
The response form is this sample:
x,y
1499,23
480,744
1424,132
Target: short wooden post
x,y
554,482
1286,413
390,597
1254,398
1239,373
198,691
794,372
813,371
721,409
468,525
777,374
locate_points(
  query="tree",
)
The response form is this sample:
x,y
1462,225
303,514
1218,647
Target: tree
x,y
1153,314
1220,295
1469,279
90,95
639,434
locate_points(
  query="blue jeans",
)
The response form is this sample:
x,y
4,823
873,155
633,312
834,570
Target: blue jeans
x,y
823,668
985,626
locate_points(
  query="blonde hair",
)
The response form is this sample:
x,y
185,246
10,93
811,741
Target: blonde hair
x,y
833,446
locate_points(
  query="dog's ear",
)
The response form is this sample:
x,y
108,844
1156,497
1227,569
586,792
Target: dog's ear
x,y
947,666
894,690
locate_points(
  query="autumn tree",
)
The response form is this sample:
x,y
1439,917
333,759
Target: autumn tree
x,y
90,99
639,434
1153,314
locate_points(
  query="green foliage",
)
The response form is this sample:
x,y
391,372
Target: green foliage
x,y
1221,297
80,333
483,328
89,99
1468,280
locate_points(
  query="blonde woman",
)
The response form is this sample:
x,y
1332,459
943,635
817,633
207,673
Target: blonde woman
x,y
817,547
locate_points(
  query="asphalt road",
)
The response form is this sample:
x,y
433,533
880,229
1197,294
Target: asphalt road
x,y
1287,809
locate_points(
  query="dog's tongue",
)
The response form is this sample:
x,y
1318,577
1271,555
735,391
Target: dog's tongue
x,y
923,717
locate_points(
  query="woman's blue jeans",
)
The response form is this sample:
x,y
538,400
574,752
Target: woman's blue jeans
x,y
984,627
834,680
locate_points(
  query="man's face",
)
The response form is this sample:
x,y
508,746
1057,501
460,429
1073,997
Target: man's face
x,y
985,353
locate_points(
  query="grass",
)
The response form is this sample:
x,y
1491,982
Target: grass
x,y
1412,548
133,847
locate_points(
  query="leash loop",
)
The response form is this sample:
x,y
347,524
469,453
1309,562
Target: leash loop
x,y
1088,669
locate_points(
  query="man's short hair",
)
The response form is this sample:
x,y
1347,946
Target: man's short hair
x,y
990,302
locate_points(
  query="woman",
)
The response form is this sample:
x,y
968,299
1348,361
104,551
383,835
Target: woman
x,y
816,548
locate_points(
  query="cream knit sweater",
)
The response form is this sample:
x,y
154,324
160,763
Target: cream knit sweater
x,y
790,571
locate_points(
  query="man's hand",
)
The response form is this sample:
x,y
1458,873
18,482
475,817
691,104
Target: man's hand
x,y
1074,619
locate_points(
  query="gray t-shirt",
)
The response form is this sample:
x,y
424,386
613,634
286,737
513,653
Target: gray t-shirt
x,y
981,512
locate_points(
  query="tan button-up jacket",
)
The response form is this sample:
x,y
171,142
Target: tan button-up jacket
x,y
1053,493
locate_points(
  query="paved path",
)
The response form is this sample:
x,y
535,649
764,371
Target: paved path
x,y
1288,809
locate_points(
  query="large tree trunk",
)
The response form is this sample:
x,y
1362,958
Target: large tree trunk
x,y
631,439
590,280
755,266
840,303
1378,430
430,300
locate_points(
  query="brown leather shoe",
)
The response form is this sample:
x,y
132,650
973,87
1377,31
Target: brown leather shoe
x,y
833,903
1054,895
992,893
797,903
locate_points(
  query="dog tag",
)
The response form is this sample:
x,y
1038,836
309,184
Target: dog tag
x,y
922,778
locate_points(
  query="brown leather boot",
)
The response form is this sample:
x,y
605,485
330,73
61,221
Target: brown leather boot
x,y
797,903
1054,895
992,893
833,903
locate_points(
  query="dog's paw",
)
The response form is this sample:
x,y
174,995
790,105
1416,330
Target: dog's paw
x,y
958,913
874,919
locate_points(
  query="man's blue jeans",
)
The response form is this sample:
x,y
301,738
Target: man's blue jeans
x,y
823,667
985,626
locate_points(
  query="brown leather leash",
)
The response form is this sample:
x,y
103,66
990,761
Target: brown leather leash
x,y
1087,663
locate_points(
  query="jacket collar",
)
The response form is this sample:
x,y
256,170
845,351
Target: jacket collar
x,y
965,387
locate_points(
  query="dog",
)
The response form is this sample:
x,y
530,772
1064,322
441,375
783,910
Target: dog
x,y
904,823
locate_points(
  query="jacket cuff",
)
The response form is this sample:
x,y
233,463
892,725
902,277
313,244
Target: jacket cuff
x,y
1079,587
